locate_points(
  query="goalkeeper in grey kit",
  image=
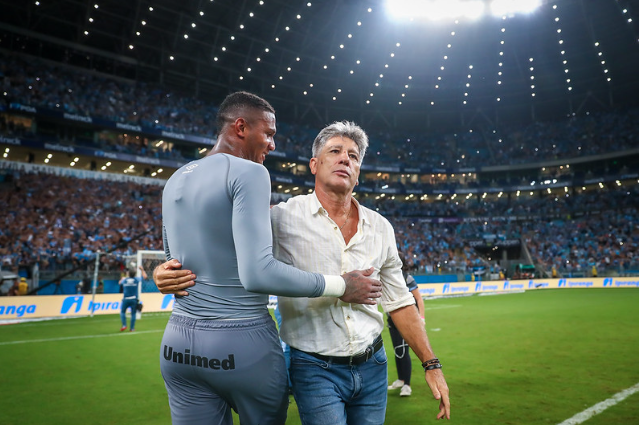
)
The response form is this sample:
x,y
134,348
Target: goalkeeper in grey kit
x,y
220,350
130,291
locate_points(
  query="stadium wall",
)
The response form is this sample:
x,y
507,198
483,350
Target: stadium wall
x,y
28,307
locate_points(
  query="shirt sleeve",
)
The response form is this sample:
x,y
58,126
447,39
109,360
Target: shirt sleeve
x,y
395,293
259,271
410,283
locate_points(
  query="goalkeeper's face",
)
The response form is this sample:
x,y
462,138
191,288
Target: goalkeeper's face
x,y
259,133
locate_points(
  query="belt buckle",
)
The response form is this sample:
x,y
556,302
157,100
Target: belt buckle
x,y
368,353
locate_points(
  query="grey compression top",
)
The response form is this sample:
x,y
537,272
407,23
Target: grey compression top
x,y
216,222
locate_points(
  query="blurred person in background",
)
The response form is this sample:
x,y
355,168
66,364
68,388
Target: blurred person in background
x,y
84,286
23,286
130,296
14,289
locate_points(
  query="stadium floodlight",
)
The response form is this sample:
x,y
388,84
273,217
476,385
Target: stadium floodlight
x,y
511,7
435,9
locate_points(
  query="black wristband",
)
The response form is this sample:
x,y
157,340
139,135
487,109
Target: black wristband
x,y
433,366
430,362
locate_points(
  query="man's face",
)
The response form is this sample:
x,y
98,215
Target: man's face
x,y
337,165
259,142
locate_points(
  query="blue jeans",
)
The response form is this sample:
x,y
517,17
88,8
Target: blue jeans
x,y
336,394
285,348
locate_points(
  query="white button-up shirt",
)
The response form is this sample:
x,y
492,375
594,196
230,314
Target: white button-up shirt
x,y
305,236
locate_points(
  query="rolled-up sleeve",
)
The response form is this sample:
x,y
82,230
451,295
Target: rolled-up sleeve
x,y
395,293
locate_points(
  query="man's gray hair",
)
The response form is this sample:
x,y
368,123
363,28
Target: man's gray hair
x,y
344,129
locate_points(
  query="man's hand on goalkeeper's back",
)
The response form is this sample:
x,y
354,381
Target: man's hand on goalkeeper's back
x,y
170,278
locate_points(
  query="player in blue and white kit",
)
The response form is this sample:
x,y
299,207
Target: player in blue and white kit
x,y
130,291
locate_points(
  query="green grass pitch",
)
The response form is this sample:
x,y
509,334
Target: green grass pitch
x,y
538,357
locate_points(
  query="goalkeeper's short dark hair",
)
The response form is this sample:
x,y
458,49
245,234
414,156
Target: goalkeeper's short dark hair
x,y
237,104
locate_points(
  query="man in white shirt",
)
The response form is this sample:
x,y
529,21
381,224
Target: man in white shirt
x,y
338,364
338,367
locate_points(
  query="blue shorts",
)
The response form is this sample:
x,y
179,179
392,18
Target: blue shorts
x,y
211,366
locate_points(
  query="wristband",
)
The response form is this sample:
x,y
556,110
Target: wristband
x,y
431,361
428,363
433,366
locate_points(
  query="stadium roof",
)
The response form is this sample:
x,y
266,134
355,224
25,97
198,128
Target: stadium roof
x,y
318,61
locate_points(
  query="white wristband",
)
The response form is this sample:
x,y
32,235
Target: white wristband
x,y
335,286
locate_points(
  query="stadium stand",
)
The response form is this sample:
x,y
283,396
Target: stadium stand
x,y
35,83
59,221
39,84
443,222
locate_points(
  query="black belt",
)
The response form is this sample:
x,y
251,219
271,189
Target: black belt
x,y
353,360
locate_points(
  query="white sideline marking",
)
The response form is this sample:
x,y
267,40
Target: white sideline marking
x,y
600,407
79,337
57,320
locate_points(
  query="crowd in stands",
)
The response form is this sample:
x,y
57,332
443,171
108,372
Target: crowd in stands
x,y
41,84
571,246
592,134
574,137
60,221
587,245
541,204
572,233
436,247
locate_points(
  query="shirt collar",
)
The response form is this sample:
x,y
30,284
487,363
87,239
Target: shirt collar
x,y
315,207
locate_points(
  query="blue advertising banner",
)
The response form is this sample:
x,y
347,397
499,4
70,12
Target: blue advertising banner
x,y
25,307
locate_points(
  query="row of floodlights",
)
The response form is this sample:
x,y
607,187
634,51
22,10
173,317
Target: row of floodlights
x,y
455,9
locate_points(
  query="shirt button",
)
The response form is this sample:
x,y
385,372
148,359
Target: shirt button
x,y
348,317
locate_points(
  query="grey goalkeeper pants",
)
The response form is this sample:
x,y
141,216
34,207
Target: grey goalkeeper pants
x,y
212,366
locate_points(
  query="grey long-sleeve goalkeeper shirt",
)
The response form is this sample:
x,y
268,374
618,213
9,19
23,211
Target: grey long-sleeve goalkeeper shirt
x,y
216,222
